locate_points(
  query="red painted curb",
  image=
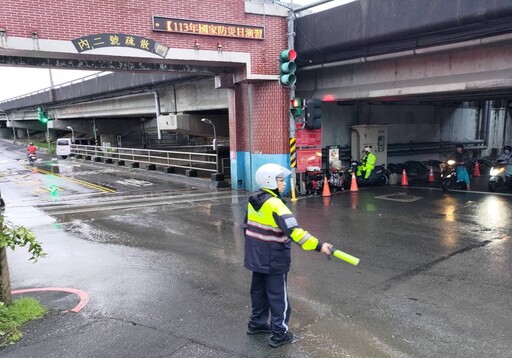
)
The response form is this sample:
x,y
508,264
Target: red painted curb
x,y
84,297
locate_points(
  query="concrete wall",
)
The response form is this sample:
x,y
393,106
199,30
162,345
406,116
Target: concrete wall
x,y
412,123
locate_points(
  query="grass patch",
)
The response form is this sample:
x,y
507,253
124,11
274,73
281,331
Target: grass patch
x,y
13,316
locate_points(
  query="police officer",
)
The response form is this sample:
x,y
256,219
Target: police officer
x,y
368,163
269,229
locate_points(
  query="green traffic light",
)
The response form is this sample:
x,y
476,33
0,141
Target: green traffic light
x,y
42,115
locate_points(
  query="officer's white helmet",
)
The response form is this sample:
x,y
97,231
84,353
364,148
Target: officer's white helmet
x,y
367,149
266,175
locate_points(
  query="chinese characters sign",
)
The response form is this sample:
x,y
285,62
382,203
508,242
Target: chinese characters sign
x,y
91,42
208,28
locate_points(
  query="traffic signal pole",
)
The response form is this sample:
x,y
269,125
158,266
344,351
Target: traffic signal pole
x,y
293,152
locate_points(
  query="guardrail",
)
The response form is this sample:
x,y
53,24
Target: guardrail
x,y
401,149
60,85
205,162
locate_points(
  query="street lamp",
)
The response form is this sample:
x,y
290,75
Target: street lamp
x,y
72,134
214,144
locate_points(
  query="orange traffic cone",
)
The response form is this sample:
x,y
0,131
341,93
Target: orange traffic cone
x,y
476,171
326,191
431,177
405,182
353,183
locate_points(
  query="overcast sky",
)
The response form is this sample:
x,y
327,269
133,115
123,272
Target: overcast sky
x,y
16,81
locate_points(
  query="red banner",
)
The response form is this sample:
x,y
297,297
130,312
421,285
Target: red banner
x,y
308,137
308,158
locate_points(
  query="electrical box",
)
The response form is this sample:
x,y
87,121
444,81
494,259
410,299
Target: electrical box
x,y
374,136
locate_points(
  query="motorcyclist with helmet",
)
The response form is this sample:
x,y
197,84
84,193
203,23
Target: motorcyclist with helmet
x,y
269,230
32,149
367,163
505,156
462,158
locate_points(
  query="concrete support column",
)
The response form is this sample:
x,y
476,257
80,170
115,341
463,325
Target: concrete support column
x,y
259,130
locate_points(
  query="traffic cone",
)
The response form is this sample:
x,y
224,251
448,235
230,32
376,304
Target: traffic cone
x,y
405,182
476,171
431,177
353,183
326,191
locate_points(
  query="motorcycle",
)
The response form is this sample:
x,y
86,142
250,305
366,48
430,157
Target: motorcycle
x,y
32,159
378,177
500,174
314,180
338,177
449,175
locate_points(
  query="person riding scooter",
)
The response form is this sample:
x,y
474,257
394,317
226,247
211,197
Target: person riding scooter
x,y
505,156
31,149
367,163
462,159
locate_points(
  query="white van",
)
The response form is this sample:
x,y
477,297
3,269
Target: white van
x,y
64,145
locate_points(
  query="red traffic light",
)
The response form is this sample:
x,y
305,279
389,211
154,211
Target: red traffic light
x,y
288,55
296,103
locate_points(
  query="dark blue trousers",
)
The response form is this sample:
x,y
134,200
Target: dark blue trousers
x,y
269,295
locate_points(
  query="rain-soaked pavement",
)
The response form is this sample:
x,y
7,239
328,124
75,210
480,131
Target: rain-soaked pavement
x,y
162,264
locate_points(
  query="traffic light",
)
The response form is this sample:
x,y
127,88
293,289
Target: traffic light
x,y
42,115
296,105
287,67
313,114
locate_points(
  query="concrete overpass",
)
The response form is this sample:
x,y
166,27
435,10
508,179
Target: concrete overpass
x,y
434,71
402,50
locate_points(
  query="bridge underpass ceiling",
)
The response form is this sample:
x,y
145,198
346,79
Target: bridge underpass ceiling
x,y
469,73
477,87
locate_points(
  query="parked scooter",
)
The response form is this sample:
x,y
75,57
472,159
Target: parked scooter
x,y
500,174
32,159
338,177
379,175
449,175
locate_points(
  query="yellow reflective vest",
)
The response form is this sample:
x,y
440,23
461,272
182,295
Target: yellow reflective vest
x,y
269,229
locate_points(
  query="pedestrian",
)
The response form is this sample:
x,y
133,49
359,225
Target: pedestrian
x,y
269,229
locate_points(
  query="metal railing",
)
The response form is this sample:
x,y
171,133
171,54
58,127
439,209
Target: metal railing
x,y
205,162
60,85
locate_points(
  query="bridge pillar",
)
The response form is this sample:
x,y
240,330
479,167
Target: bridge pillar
x,y
259,130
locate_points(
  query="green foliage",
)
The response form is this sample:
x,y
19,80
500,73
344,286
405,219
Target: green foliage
x,y
12,236
14,315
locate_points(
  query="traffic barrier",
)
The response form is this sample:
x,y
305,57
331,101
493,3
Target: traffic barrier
x,y
476,171
353,183
431,177
326,191
405,182
292,185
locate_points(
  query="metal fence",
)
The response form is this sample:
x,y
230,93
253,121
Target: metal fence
x,y
206,162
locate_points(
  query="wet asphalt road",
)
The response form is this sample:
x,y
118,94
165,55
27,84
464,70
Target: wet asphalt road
x,y
163,266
